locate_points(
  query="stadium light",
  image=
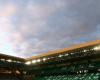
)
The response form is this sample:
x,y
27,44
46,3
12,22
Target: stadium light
x,y
44,59
84,50
33,61
60,55
2,59
71,53
28,63
97,48
66,54
38,60
17,72
9,60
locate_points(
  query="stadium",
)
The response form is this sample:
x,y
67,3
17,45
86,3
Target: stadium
x,y
49,39
79,62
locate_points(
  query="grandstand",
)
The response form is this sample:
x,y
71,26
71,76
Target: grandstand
x,y
11,68
80,62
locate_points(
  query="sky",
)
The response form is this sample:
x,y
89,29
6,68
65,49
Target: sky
x,y
33,27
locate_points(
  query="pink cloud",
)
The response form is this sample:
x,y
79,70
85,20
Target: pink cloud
x,y
7,10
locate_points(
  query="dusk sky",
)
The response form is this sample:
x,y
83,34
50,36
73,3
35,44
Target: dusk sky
x,y
32,27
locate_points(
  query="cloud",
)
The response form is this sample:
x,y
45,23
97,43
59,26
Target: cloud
x,y
33,20
37,27
56,25
7,10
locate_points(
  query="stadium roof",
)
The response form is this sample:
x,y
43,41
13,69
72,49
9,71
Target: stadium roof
x,y
66,49
4,56
83,45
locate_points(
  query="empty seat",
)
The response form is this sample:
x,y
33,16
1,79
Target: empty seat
x,y
87,76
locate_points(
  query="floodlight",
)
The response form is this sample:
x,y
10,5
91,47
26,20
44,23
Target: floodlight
x,y
9,60
34,61
38,60
28,63
44,59
97,48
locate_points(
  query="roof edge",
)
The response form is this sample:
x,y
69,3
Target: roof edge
x,y
90,43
